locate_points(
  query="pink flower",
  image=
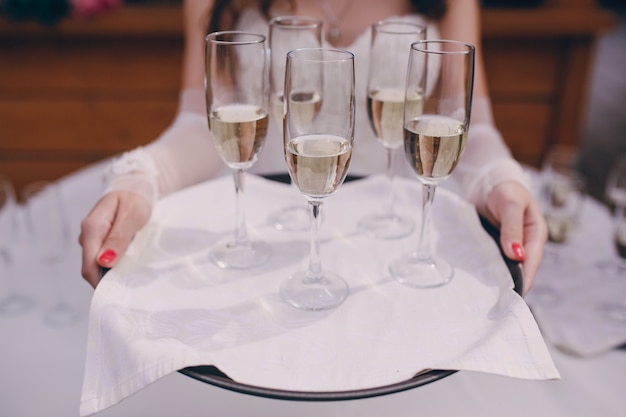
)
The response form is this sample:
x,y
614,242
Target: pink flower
x,y
90,8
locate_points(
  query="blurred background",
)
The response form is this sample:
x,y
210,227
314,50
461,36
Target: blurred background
x,y
83,80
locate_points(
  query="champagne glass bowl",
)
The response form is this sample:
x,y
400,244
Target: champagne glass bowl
x,y
49,231
616,195
12,300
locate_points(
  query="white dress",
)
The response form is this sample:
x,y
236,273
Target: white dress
x,y
368,155
184,154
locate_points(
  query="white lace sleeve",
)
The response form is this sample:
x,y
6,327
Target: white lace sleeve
x,y
181,156
487,161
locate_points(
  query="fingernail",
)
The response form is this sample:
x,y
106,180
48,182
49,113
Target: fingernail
x,y
518,250
107,256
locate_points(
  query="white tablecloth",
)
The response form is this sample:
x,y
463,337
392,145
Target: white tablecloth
x,y
42,367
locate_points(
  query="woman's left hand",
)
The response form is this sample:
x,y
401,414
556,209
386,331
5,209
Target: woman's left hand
x,y
523,230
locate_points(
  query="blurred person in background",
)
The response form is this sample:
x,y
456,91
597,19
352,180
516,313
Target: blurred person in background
x,y
183,155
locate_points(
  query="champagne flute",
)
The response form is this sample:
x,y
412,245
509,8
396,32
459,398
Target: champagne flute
x,y
318,148
12,301
49,232
434,139
389,55
237,105
616,195
288,33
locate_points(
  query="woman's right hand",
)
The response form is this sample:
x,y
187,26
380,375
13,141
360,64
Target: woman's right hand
x,y
108,229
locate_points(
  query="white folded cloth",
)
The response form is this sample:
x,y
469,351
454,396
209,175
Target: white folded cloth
x,y
167,307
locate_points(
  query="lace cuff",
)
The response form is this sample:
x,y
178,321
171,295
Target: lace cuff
x,y
497,173
487,162
133,171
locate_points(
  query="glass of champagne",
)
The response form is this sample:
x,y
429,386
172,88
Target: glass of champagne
x,y
318,148
434,139
49,233
288,33
12,300
389,56
237,98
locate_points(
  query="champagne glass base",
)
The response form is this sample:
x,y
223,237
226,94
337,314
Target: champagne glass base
x,y
386,226
552,253
544,296
231,255
61,315
421,272
613,268
306,293
15,304
292,218
614,311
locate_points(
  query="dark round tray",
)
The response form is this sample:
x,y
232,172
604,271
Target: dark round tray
x,y
213,376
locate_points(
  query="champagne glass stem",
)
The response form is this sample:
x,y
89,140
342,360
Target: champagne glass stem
x,y
618,215
423,244
12,301
241,232
6,264
618,212
314,273
61,312
388,198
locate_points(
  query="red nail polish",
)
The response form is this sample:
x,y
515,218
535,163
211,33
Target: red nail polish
x,y
519,251
107,256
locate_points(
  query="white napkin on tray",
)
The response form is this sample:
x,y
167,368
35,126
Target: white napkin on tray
x,y
166,307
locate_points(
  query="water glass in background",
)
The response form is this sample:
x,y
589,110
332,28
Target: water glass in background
x,y
49,234
563,190
13,300
614,309
616,195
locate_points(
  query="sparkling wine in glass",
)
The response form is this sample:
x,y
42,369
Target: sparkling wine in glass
x,y
318,151
434,139
48,230
288,33
237,90
389,55
13,301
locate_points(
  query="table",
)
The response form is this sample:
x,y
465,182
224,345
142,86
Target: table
x,y
43,367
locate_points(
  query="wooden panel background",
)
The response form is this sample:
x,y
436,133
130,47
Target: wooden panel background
x,y
85,90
